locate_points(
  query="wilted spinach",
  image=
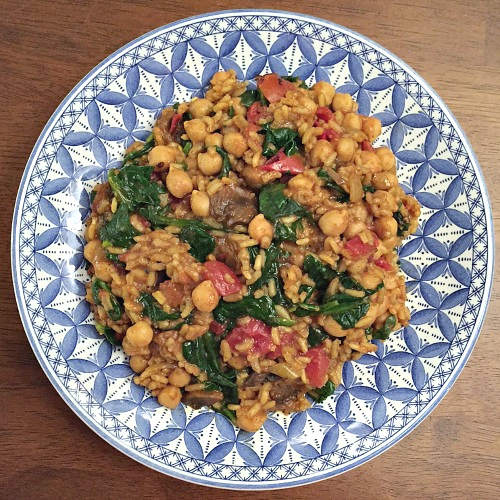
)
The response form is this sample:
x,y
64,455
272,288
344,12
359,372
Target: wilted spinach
x,y
383,332
262,309
273,203
403,223
146,148
199,240
319,395
108,333
278,138
316,335
339,192
249,97
116,311
118,231
226,162
132,186
153,310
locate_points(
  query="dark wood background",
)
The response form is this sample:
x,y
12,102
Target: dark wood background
x,y
46,47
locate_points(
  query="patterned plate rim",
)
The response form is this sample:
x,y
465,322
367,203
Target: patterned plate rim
x,y
286,483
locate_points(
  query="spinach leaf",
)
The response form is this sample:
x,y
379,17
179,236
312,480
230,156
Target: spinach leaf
x,y
252,252
283,232
249,97
155,214
262,98
277,138
226,162
346,310
118,231
316,336
262,309
293,79
187,147
199,240
153,310
204,353
224,410
369,189
319,395
230,112
383,332
133,187
109,333
92,196
146,148
273,203
116,311
172,221
338,191
113,257
403,223
319,272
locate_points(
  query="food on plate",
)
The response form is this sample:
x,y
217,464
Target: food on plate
x,y
246,250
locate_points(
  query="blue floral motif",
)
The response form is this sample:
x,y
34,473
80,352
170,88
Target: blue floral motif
x,y
134,401
447,261
362,89
190,430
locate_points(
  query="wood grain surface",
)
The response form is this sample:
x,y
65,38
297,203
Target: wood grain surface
x,y
46,47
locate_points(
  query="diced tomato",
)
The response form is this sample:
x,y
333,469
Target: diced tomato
x,y
357,248
286,339
175,121
217,328
366,146
329,135
324,113
256,330
255,112
223,277
317,368
273,87
383,264
285,164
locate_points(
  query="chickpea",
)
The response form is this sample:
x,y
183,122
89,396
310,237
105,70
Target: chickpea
x,y
140,334
372,128
163,154
324,92
104,270
354,228
385,227
200,203
170,397
239,109
179,377
210,163
200,108
301,181
343,102
179,183
205,296
132,350
213,140
384,180
138,363
235,144
334,222
196,129
352,121
387,158
321,151
370,160
309,104
261,230
250,423
346,147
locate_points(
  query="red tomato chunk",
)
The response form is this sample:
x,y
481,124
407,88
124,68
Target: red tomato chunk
x,y
259,332
285,164
357,248
324,114
383,264
366,146
329,135
273,87
175,121
255,112
223,278
287,339
317,368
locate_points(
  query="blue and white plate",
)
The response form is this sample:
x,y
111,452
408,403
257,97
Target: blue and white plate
x,y
448,262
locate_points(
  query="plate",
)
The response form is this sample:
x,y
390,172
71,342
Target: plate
x,y
448,263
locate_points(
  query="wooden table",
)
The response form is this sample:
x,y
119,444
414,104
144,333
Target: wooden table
x,y
46,47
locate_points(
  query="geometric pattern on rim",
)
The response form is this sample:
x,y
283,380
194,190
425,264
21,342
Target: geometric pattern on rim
x,y
446,261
